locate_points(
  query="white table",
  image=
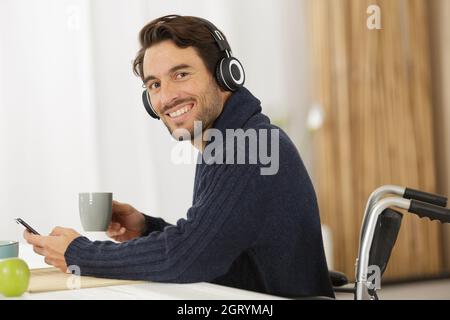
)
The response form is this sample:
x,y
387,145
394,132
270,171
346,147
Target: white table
x,y
150,290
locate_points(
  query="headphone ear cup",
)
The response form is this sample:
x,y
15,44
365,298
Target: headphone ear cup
x,y
148,105
230,74
219,77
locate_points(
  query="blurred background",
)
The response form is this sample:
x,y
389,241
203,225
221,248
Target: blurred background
x,y
365,107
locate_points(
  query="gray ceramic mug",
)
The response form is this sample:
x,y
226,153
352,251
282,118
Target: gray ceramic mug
x,y
95,210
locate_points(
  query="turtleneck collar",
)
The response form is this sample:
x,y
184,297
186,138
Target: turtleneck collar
x,y
238,109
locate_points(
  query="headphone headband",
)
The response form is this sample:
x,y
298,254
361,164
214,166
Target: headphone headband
x,y
218,36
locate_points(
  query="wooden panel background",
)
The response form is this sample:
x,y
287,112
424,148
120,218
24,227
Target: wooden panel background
x,y
375,90
440,62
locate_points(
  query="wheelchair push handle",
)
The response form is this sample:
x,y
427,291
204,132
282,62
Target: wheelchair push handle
x,y
431,198
430,211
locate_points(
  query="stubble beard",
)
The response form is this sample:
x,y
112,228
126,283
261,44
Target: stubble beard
x,y
209,106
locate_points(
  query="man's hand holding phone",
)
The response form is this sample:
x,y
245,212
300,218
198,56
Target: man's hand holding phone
x,y
52,247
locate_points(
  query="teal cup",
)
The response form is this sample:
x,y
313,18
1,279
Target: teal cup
x,y
9,249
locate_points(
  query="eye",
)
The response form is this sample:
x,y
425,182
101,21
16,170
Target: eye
x,y
154,85
181,75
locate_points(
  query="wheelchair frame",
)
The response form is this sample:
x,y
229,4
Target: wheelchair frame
x,y
421,203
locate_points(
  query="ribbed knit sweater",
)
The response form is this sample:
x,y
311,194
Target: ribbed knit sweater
x,y
244,229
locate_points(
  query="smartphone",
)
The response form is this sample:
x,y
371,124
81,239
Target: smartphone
x,y
27,226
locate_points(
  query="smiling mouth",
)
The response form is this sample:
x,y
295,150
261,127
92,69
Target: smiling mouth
x,y
181,111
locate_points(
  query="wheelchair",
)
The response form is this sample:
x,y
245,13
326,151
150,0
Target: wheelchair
x,y
379,230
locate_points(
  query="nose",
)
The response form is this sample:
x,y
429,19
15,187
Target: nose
x,y
168,94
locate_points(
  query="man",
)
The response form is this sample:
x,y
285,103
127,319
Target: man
x,y
245,229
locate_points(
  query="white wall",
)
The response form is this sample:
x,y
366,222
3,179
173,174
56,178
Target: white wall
x,y
71,118
48,115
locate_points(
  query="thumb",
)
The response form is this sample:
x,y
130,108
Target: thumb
x,y
120,208
117,205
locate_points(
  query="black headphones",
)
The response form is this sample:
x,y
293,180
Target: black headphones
x,y
230,73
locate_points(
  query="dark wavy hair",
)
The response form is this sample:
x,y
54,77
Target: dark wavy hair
x,y
184,31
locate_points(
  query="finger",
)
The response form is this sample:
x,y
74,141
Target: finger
x,y
62,266
35,240
26,234
111,234
58,262
58,231
116,232
113,228
120,238
48,261
39,250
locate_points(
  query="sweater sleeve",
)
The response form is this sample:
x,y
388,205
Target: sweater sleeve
x,y
154,224
219,226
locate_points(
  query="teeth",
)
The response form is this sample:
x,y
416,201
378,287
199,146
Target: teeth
x,y
180,112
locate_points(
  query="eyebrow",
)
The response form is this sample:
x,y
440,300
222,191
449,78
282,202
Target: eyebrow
x,y
172,70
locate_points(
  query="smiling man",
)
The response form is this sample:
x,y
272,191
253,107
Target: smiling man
x,y
244,229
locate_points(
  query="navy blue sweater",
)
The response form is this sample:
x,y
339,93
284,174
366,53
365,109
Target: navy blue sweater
x,y
244,229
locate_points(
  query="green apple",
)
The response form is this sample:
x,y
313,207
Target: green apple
x,y
14,277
